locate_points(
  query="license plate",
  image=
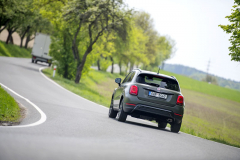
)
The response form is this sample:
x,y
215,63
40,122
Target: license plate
x,y
158,95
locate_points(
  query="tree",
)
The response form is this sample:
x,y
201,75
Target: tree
x,y
12,16
234,29
61,50
95,17
158,48
7,11
26,21
144,21
210,79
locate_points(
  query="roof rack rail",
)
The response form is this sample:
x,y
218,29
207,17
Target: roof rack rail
x,y
137,69
173,77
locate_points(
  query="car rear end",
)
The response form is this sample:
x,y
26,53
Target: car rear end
x,y
155,97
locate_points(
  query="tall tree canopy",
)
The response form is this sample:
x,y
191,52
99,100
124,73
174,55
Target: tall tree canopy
x,y
234,29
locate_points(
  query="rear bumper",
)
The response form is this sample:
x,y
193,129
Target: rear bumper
x,y
35,58
135,107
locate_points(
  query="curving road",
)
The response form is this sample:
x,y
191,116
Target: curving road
x,y
76,128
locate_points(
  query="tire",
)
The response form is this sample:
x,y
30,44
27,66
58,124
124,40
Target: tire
x,y
32,60
121,115
175,127
49,64
112,113
162,125
35,61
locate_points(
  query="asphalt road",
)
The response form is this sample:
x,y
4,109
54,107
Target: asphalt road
x,y
76,128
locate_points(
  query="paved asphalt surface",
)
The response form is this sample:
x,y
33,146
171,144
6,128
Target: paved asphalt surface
x,y
79,129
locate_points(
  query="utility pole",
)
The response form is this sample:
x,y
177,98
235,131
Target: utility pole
x,y
208,66
207,76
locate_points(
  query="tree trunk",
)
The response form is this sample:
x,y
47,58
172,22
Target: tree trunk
x,y
27,40
120,67
126,71
23,35
10,32
11,40
112,64
9,36
81,65
65,74
131,67
98,64
21,42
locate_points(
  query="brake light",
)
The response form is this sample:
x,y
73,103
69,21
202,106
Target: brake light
x,y
133,90
180,100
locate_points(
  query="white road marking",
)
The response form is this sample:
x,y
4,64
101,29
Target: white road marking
x,y
40,121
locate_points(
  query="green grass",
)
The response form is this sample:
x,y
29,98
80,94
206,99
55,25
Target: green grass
x,y
94,86
204,87
9,110
9,50
206,115
211,117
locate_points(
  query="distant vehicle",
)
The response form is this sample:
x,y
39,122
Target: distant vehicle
x,y
151,96
40,49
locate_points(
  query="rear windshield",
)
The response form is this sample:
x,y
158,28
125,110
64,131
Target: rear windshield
x,y
158,81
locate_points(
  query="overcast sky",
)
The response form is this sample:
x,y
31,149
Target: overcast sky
x,y
194,27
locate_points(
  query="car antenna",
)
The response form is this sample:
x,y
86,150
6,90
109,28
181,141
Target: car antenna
x,y
158,70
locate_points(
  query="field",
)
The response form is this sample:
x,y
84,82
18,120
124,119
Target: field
x,y
204,87
13,51
207,115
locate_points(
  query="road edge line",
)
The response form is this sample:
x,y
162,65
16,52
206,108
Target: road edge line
x,y
40,121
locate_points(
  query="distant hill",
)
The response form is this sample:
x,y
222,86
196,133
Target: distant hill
x,y
199,75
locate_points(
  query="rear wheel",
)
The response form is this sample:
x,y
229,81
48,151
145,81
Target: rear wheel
x,y
162,125
49,64
35,61
121,115
32,60
175,127
112,113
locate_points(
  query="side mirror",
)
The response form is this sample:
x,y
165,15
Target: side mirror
x,y
118,81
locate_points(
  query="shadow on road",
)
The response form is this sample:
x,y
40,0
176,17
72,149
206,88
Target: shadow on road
x,y
145,125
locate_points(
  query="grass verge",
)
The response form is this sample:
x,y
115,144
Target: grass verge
x,y
95,86
206,116
9,109
10,50
204,87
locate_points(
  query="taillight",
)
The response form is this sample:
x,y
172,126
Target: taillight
x,y
133,90
180,100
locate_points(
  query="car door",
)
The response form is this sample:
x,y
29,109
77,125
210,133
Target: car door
x,y
119,90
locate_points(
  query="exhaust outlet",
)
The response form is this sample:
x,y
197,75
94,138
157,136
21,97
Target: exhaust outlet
x,y
169,120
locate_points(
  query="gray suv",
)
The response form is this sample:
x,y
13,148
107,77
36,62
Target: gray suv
x,y
150,96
